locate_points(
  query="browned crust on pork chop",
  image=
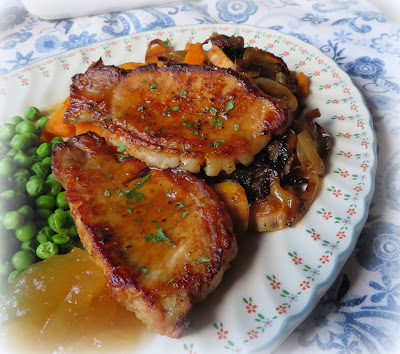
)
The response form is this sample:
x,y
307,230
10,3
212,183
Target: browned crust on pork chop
x,y
163,238
179,115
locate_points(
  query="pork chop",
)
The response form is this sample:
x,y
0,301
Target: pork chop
x,y
179,115
162,237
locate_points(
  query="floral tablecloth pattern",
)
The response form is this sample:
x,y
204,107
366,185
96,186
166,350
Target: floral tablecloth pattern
x,y
361,311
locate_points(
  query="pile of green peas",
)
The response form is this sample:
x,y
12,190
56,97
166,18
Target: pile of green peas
x,y
35,220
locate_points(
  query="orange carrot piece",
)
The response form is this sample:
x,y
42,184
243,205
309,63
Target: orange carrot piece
x,y
303,84
195,55
154,50
188,45
55,126
84,127
130,65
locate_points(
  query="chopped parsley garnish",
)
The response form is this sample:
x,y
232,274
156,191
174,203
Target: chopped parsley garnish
x,y
195,132
237,126
229,105
146,128
158,237
122,156
184,215
144,270
142,116
183,93
216,122
166,43
166,192
129,211
144,81
183,149
170,281
153,86
213,110
107,192
180,204
186,124
110,177
175,109
121,147
107,117
141,108
77,179
218,142
203,259
144,180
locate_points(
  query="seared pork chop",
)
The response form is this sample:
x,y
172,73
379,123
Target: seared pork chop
x,y
179,115
163,238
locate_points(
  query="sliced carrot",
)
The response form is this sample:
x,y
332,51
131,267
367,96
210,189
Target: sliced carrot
x,y
303,84
155,49
130,65
84,127
55,126
188,46
195,55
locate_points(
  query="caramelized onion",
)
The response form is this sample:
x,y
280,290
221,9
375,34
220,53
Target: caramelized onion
x,y
278,91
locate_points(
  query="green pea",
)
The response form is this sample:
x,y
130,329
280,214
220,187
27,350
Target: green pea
x,y
32,113
50,176
16,120
56,140
22,160
60,239
41,170
22,173
47,161
20,142
43,214
12,198
36,177
72,231
25,127
13,220
7,166
42,122
7,131
5,268
56,222
29,245
45,202
61,202
53,187
32,152
3,149
33,138
35,186
70,219
22,259
27,212
13,276
20,184
26,232
45,234
46,250
44,150
11,153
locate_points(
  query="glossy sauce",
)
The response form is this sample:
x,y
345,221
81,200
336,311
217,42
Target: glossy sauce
x,y
62,305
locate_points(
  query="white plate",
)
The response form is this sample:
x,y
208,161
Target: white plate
x,y
278,277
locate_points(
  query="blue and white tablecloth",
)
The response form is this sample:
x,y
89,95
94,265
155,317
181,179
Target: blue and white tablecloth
x,y
361,312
